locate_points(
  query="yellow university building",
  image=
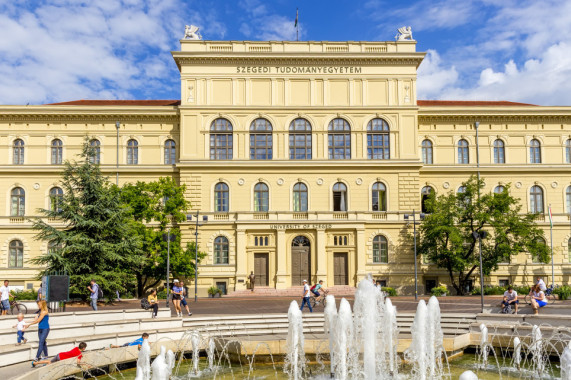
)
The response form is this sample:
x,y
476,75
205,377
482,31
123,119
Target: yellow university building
x,y
305,158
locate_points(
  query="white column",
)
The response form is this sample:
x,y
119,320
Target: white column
x,y
241,260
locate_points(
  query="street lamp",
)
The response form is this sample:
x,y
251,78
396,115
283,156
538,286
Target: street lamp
x,y
117,126
168,237
204,219
477,124
406,217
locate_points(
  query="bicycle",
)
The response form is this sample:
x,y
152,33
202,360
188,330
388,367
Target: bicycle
x,y
549,296
322,299
17,307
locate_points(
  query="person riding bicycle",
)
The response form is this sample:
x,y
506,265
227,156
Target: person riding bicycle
x,y
315,289
541,284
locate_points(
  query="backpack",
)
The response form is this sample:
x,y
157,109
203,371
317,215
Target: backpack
x,y
313,287
145,304
99,292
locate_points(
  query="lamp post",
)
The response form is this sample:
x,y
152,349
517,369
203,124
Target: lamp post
x,y
477,124
406,217
204,219
117,126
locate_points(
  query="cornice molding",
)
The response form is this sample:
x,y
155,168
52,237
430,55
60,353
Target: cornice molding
x,y
36,116
564,119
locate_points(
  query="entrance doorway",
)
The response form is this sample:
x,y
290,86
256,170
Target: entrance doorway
x,y
261,269
300,260
430,284
340,275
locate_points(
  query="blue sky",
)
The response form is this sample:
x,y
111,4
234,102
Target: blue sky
x,y
59,50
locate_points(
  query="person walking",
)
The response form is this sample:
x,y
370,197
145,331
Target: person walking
x,y
183,299
305,300
43,322
176,296
5,297
94,289
153,302
252,279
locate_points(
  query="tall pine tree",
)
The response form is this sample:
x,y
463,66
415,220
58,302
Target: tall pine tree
x,y
98,240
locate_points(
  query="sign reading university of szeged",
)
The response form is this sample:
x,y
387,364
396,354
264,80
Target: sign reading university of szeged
x,y
298,70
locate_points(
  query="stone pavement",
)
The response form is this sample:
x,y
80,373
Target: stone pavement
x,y
256,305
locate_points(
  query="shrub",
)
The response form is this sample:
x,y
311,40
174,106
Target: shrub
x,y
490,290
391,292
439,291
25,295
213,290
563,292
162,294
521,290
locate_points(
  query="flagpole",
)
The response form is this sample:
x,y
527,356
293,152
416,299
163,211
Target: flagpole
x,y
296,24
551,232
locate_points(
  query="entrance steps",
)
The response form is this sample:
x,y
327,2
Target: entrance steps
x,y
294,291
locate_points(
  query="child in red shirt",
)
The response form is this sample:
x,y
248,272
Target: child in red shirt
x,y
76,352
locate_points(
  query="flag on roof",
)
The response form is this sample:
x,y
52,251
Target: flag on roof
x,y
296,17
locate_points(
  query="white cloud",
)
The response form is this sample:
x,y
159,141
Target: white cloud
x,y
432,77
262,24
62,50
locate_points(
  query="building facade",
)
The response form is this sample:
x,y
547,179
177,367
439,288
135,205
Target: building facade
x,y
305,158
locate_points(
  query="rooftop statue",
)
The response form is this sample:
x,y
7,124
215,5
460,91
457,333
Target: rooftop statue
x,y
191,33
404,34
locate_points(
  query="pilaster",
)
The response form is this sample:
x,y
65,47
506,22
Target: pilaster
x,y
281,260
241,260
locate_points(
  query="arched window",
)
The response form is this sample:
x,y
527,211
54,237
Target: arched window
x,y
339,197
221,248
261,142
132,152
96,145
56,195
499,152
427,152
568,151
57,152
300,140
379,197
463,153
535,152
261,197
536,200
299,197
221,140
380,250
17,202
339,138
18,152
424,194
534,258
378,140
568,198
170,152
461,189
221,197
54,248
569,249
499,189
16,259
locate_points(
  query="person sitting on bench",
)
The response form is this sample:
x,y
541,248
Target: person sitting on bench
x,y
510,298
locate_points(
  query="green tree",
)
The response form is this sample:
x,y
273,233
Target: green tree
x,y
98,240
157,206
448,234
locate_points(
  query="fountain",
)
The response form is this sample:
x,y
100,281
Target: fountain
x,y
159,368
468,375
484,345
295,359
517,353
566,363
210,353
144,362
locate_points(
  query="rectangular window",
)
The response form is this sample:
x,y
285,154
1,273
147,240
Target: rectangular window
x,y
504,283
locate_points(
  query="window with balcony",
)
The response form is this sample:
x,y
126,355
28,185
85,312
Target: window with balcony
x,y
221,249
300,139
18,152
16,259
57,152
379,197
427,152
378,147
221,197
261,197
499,152
380,250
17,202
536,200
221,140
339,139
300,197
535,152
339,197
170,152
261,142
463,152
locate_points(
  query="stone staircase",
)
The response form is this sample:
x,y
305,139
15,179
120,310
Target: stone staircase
x,y
294,291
